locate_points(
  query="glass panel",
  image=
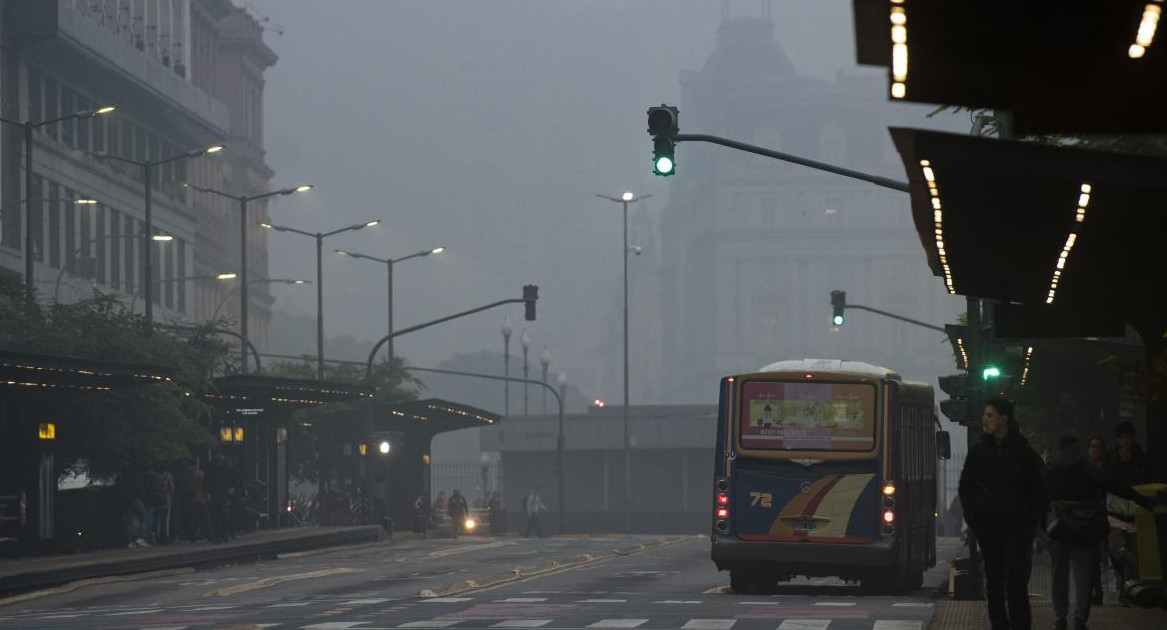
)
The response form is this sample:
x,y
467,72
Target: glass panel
x,y
808,416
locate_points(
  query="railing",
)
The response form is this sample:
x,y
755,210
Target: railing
x,y
467,477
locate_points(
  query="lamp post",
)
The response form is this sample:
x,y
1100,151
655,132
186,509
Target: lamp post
x,y
223,300
545,360
162,281
562,382
157,238
30,126
389,262
525,342
320,236
485,459
243,201
147,167
624,200
507,329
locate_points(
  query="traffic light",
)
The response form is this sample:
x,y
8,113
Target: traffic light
x,y
991,372
531,295
959,407
838,304
663,126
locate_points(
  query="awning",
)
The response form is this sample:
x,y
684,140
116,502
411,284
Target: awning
x,y
30,373
243,390
1064,68
1071,236
430,416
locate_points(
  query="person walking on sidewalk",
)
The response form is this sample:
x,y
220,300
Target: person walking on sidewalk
x,y
532,504
1003,496
161,496
192,492
1077,525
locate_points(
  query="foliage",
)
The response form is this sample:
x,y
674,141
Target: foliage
x,y
100,434
390,380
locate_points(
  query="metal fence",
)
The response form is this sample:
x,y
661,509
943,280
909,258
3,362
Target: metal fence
x,y
469,477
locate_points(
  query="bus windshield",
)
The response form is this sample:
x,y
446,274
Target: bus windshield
x,y
808,416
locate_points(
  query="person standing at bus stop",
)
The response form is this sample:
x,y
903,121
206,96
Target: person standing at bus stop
x,y
1003,496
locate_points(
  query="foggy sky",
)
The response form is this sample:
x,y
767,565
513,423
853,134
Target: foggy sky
x,y
487,126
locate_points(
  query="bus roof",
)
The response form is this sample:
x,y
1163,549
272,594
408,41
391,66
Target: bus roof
x,y
834,366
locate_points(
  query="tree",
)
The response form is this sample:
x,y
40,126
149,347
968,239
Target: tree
x,y
102,433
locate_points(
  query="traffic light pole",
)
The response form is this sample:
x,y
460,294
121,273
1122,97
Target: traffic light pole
x,y
909,320
793,159
975,361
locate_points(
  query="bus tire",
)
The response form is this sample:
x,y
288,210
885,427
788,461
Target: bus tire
x,y
752,581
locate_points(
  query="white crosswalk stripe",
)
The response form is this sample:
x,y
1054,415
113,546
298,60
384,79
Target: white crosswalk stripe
x,y
134,612
709,624
166,628
335,625
601,601
897,624
365,602
447,600
618,623
522,623
805,624
833,604
912,604
522,600
431,623
288,604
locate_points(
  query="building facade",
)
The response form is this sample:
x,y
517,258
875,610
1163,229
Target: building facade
x,y
752,247
184,75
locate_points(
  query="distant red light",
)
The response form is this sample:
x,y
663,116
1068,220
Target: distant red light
x,y
723,499
809,376
722,512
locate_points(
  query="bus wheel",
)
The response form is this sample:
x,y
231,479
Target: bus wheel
x,y
752,581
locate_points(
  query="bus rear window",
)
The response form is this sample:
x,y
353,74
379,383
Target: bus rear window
x,y
808,416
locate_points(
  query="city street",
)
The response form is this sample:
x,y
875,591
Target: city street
x,y
671,584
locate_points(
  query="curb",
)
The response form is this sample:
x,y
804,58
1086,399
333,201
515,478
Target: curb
x,y
201,556
111,579
520,573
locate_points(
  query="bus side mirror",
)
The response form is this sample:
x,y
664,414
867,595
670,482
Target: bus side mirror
x,y
943,445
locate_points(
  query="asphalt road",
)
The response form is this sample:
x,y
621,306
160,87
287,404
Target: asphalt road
x,y
670,586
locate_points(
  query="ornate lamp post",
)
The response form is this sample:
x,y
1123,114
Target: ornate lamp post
x,y
507,329
525,341
545,360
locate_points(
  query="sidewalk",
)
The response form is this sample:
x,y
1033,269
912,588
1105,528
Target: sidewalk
x,y
973,615
25,574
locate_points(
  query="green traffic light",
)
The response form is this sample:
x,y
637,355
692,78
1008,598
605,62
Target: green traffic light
x,y
664,165
838,319
991,372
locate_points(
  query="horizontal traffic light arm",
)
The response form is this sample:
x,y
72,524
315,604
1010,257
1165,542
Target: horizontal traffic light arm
x,y
405,331
917,322
794,159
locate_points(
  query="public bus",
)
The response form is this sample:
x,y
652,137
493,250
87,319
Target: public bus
x,y
825,468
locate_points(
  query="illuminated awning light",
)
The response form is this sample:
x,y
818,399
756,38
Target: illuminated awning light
x,y
1146,32
1025,370
899,49
963,353
938,222
1079,217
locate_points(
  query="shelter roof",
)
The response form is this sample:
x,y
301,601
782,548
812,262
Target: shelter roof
x,y
239,389
432,415
45,372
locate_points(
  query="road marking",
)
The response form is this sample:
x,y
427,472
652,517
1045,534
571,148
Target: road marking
x,y
288,604
447,600
522,600
274,580
805,624
456,550
709,624
912,604
758,603
166,628
364,602
134,612
897,624
679,601
209,608
522,623
431,623
59,616
833,604
334,625
601,601
618,623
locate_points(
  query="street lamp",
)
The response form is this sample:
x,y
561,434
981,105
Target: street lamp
x,y
525,342
243,201
389,262
147,167
320,236
625,199
29,126
226,296
65,264
507,329
562,382
545,360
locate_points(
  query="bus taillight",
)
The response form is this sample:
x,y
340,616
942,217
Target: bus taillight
x,y
722,512
723,499
889,488
889,517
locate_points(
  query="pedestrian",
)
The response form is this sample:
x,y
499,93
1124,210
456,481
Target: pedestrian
x,y
1003,496
220,482
1123,466
498,516
130,492
161,497
193,499
1077,525
440,513
458,509
532,504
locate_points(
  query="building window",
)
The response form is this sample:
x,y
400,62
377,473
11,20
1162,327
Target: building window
x,y
70,211
68,126
35,95
167,254
84,125
99,215
52,107
54,245
114,138
182,274
128,245
115,249
35,198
